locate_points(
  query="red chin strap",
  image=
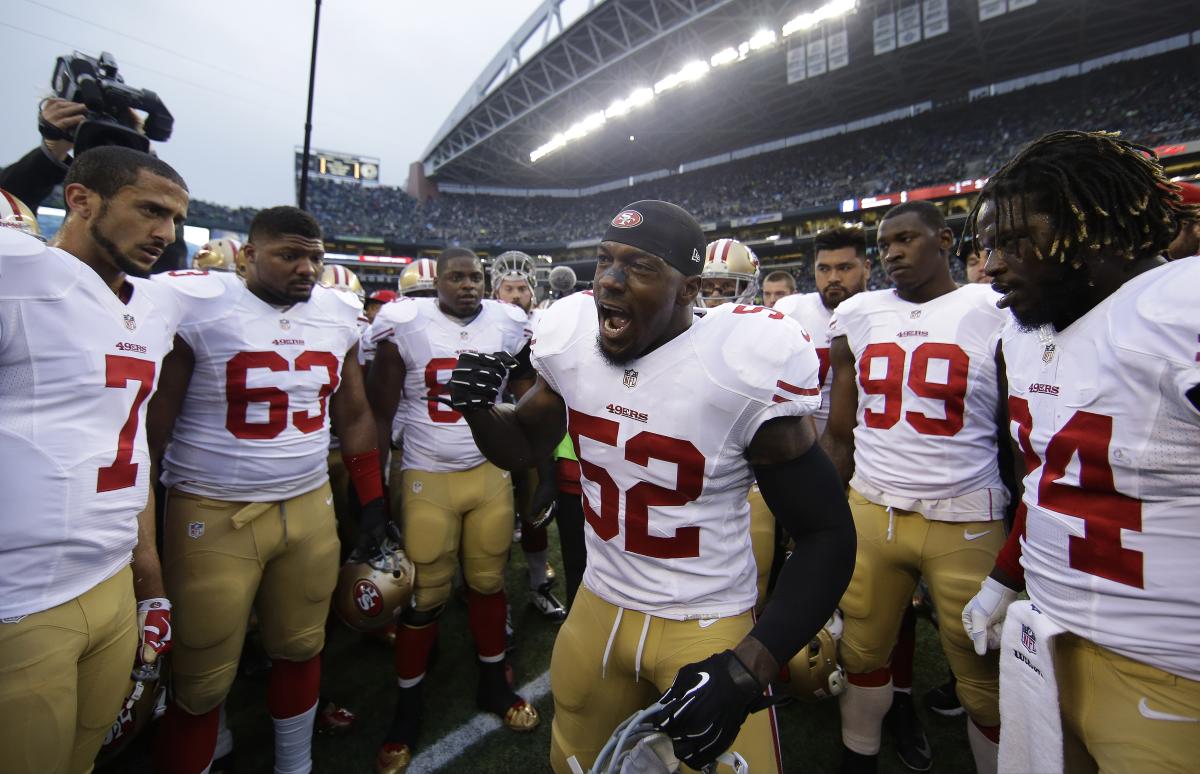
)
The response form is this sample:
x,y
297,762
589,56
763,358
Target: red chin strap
x,y
366,473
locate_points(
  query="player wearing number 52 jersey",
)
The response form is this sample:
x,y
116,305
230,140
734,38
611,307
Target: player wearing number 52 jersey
x,y
81,345
1103,359
913,428
251,389
672,418
455,502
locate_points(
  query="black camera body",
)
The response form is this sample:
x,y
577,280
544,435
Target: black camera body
x,y
97,84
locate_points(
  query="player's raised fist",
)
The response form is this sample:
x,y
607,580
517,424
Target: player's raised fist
x,y
477,379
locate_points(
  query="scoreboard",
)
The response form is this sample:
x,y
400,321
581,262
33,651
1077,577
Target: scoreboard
x,y
339,167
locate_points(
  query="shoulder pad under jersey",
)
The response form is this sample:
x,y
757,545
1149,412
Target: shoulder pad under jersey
x,y
750,349
789,304
198,284
29,270
1163,318
511,311
564,322
399,312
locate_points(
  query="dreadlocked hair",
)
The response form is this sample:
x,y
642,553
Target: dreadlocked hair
x,y
1101,193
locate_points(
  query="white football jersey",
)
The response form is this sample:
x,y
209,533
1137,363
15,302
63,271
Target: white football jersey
x,y
77,368
661,442
436,437
810,311
254,425
927,399
1112,537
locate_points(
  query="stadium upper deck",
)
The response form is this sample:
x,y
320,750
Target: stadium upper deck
x,y
619,47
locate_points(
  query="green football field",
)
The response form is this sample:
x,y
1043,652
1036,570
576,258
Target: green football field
x,y
358,673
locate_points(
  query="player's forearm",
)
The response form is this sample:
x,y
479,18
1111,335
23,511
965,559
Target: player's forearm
x,y
147,569
807,499
502,438
359,434
841,454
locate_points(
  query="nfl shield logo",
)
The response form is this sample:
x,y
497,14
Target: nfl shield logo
x,y
285,324
130,323
630,379
1048,353
914,314
195,529
1028,639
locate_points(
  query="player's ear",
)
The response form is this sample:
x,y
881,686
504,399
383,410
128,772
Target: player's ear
x,y
80,200
688,291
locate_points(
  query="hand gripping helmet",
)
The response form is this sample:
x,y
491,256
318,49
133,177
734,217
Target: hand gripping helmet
x,y
514,265
419,278
141,703
218,255
341,278
814,672
14,214
730,273
371,592
637,747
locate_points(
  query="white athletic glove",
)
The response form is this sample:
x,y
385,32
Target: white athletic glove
x,y
983,617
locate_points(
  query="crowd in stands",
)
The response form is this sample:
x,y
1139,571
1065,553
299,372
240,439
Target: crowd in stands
x,y
1154,101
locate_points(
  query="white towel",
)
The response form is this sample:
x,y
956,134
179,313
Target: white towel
x,y
1030,725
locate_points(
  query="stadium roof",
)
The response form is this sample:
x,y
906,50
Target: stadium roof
x,y
522,100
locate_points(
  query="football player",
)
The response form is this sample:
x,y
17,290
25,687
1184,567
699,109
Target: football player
x,y
81,343
219,255
778,284
729,275
841,268
513,280
670,581
1104,399
375,302
456,504
913,424
250,390
1187,239
418,280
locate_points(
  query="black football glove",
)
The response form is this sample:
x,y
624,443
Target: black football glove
x,y
705,707
374,526
476,380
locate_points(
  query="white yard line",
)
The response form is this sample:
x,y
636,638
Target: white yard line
x,y
454,744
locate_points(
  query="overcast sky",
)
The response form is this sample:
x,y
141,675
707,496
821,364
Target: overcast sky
x,y
234,73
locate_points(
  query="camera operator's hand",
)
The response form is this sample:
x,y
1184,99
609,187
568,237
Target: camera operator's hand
x,y
64,116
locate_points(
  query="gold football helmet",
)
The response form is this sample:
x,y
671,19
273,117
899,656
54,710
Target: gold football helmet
x,y
340,278
814,672
730,273
371,592
14,214
419,279
219,255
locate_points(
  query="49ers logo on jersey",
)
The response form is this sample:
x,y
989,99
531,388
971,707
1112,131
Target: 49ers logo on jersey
x,y
368,598
627,219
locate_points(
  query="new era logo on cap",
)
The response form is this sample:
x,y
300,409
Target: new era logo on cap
x,y
695,256
627,219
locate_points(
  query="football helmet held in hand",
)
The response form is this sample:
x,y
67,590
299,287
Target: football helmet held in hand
x,y
371,591
814,672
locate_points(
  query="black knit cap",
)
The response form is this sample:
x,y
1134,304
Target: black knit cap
x,y
662,229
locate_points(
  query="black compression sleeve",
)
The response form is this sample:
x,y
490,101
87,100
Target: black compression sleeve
x,y
807,498
524,368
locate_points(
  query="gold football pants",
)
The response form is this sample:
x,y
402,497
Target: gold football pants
x,y
591,697
63,677
219,559
1120,715
895,549
468,512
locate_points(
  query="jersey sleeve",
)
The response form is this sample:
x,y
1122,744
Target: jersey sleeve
x,y
391,322
559,327
839,323
196,296
766,357
789,305
516,326
1164,322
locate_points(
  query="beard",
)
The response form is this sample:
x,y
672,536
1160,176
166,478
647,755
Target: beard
x,y
1059,301
119,259
609,357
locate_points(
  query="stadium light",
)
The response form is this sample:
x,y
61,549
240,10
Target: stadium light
x,y
830,10
694,70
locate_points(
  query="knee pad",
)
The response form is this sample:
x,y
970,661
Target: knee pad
x,y
485,576
203,694
298,646
858,660
981,699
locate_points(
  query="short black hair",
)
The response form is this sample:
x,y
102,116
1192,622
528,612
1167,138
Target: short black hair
x,y
109,168
781,275
451,253
928,212
840,237
285,219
